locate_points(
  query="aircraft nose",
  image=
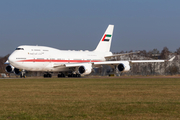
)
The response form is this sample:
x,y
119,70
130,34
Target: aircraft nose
x,y
11,58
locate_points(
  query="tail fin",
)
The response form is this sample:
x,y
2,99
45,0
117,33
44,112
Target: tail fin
x,y
105,42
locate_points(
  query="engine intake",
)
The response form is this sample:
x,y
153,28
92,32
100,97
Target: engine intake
x,y
81,69
123,67
120,67
17,71
9,69
85,69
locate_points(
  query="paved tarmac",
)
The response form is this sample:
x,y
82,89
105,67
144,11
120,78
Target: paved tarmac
x,y
175,76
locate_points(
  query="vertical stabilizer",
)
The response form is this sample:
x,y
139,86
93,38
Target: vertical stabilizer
x,y
105,42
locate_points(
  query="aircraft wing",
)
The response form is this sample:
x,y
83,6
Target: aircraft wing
x,y
7,62
130,61
141,61
108,63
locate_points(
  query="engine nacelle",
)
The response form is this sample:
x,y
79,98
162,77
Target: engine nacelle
x,y
85,69
9,69
17,71
123,67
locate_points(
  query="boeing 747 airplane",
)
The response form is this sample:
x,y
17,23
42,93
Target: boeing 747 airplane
x,y
65,62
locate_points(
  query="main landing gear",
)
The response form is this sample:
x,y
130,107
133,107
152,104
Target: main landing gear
x,y
74,75
47,75
61,75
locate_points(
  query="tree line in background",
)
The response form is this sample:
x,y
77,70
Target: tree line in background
x,y
166,68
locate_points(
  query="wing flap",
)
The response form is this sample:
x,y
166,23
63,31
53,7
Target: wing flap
x,y
145,61
130,61
108,62
68,65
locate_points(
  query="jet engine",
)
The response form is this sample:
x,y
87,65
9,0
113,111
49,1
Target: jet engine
x,y
9,69
17,71
85,69
123,67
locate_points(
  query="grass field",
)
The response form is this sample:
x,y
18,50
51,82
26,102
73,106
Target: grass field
x,y
90,98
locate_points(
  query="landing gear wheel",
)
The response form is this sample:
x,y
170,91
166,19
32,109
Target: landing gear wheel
x,y
60,75
78,75
47,75
74,75
22,76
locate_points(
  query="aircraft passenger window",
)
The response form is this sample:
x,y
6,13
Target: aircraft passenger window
x,y
19,48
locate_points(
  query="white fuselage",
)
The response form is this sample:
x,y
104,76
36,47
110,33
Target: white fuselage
x,y
41,58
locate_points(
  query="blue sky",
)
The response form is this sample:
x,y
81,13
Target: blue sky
x,y
80,24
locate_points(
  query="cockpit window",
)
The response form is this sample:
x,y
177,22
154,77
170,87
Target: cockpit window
x,y
19,48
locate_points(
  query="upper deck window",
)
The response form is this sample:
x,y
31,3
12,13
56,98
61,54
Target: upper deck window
x,y
37,50
19,48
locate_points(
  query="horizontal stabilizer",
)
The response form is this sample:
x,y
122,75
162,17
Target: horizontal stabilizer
x,y
116,55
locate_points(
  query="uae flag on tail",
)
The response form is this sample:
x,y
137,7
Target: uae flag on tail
x,y
106,37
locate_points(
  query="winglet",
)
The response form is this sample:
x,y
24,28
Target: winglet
x,y
171,59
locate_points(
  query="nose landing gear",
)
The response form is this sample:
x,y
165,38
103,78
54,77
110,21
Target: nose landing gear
x,y
23,74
